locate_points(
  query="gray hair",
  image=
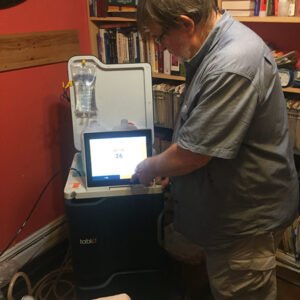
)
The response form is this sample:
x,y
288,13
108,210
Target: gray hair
x,y
166,12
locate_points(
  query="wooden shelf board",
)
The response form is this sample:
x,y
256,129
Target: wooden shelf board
x,y
23,50
291,90
166,76
112,19
270,19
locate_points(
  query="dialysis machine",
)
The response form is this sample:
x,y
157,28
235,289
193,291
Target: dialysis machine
x,y
112,221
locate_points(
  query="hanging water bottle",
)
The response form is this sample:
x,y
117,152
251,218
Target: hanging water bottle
x,y
84,78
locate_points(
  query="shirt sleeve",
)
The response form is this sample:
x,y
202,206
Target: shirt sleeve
x,y
216,119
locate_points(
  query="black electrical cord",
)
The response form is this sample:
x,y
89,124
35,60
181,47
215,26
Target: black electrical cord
x,y
31,212
65,96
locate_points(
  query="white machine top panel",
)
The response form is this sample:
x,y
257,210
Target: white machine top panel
x,y
122,91
76,188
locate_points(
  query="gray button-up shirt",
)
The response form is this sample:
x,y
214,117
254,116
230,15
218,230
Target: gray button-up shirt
x,y
234,110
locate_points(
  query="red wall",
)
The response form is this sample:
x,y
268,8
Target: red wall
x,y
282,36
36,130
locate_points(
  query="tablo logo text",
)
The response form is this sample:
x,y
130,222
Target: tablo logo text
x,y
88,241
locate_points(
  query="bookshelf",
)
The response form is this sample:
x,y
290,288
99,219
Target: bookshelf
x,y
269,19
95,22
291,90
253,22
167,77
111,19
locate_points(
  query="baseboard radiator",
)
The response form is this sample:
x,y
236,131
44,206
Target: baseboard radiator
x,y
34,245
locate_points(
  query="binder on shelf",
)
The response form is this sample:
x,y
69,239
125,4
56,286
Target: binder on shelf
x,y
163,107
167,102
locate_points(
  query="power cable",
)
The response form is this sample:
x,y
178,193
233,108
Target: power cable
x,y
30,213
47,286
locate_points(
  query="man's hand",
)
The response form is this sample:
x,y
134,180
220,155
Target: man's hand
x,y
144,173
163,181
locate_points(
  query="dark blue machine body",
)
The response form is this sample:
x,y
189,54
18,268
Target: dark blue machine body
x,y
113,234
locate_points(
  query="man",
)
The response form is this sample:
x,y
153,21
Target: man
x,y
231,165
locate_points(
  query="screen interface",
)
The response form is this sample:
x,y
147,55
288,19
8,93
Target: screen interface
x,y
116,158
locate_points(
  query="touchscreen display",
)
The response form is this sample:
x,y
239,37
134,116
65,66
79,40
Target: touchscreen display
x,y
111,157
116,158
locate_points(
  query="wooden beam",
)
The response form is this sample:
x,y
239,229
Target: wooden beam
x,y
24,50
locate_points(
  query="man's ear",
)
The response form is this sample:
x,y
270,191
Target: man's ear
x,y
186,23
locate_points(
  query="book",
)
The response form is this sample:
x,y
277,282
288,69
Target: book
x,y
175,66
99,46
263,8
120,46
117,8
143,49
91,8
297,10
167,62
242,13
102,47
156,68
160,59
125,48
136,47
243,4
257,7
101,8
276,8
270,8
122,2
152,55
292,8
112,41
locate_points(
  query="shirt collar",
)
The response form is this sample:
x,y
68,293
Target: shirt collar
x,y
212,39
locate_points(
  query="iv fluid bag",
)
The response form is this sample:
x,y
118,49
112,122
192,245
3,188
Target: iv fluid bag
x,y
84,79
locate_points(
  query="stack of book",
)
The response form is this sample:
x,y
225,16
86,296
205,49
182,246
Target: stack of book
x,y
113,8
239,7
119,44
260,8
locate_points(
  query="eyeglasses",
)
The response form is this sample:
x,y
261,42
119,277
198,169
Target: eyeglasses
x,y
160,38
